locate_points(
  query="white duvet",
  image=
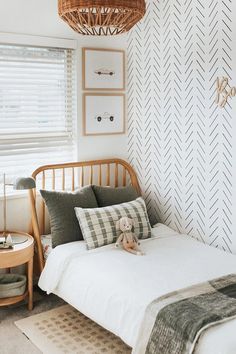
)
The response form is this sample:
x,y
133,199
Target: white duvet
x,y
114,287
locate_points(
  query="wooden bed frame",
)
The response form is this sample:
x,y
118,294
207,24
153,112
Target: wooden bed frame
x,y
69,177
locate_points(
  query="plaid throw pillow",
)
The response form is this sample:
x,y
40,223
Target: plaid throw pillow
x,y
98,225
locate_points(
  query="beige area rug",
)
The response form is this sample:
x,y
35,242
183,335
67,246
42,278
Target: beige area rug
x,y
65,330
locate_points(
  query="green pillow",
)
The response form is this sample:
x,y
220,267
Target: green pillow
x,y
107,196
64,225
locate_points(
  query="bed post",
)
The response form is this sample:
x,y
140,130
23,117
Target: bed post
x,y
35,226
133,176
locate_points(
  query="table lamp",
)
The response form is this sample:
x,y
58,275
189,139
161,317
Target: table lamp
x,y
21,183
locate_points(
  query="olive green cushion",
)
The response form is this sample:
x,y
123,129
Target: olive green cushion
x,y
64,224
107,196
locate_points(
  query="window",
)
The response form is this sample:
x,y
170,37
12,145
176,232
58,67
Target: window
x,y
37,107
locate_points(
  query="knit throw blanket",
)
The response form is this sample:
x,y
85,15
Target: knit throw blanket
x,y
173,323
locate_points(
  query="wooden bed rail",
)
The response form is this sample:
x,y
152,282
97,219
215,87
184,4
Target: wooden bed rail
x,y
69,177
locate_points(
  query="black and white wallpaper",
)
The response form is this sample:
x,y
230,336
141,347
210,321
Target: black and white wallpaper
x,y
179,141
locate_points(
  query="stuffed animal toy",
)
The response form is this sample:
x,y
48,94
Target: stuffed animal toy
x,y
127,237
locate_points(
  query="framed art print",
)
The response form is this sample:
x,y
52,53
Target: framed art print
x,y
103,69
103,114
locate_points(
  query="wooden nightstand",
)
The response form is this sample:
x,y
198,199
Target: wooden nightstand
x,y
21,253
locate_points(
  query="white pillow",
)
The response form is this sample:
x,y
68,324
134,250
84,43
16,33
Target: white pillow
x,y
98,225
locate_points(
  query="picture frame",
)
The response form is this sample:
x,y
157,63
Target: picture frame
x,y
103,113
103,69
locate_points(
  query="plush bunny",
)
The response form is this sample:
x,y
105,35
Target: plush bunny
x,y
127,237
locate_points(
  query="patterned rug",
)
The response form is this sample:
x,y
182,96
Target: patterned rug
x,y
64,330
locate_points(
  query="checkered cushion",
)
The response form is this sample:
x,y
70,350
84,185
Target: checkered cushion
x,y
98,225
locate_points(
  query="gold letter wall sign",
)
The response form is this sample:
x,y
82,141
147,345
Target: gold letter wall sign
x,y
224,91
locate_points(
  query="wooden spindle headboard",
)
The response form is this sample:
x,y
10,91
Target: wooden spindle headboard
x,y
69,177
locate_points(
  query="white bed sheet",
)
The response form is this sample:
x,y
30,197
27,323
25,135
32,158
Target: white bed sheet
x,y
113,287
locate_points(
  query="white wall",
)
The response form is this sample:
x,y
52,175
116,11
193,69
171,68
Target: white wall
x,y
233,131
33,17
181,144
92,147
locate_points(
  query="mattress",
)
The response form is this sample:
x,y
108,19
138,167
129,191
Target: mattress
x,y
113,287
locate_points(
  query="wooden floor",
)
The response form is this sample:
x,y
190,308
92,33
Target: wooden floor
x,y
11,339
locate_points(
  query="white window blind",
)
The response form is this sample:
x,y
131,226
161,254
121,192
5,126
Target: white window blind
x,y
37,108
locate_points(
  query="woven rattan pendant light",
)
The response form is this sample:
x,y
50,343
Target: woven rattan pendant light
x,y
101,17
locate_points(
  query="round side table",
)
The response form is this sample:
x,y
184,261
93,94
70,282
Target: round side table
x,y
20,254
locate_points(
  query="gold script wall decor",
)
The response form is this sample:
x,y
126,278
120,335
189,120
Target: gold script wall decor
x,y
224,91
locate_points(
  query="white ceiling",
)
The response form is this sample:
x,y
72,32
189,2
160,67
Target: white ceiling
x,y
36,17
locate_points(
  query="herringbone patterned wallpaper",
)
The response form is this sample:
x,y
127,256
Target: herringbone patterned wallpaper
x,y
179,141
